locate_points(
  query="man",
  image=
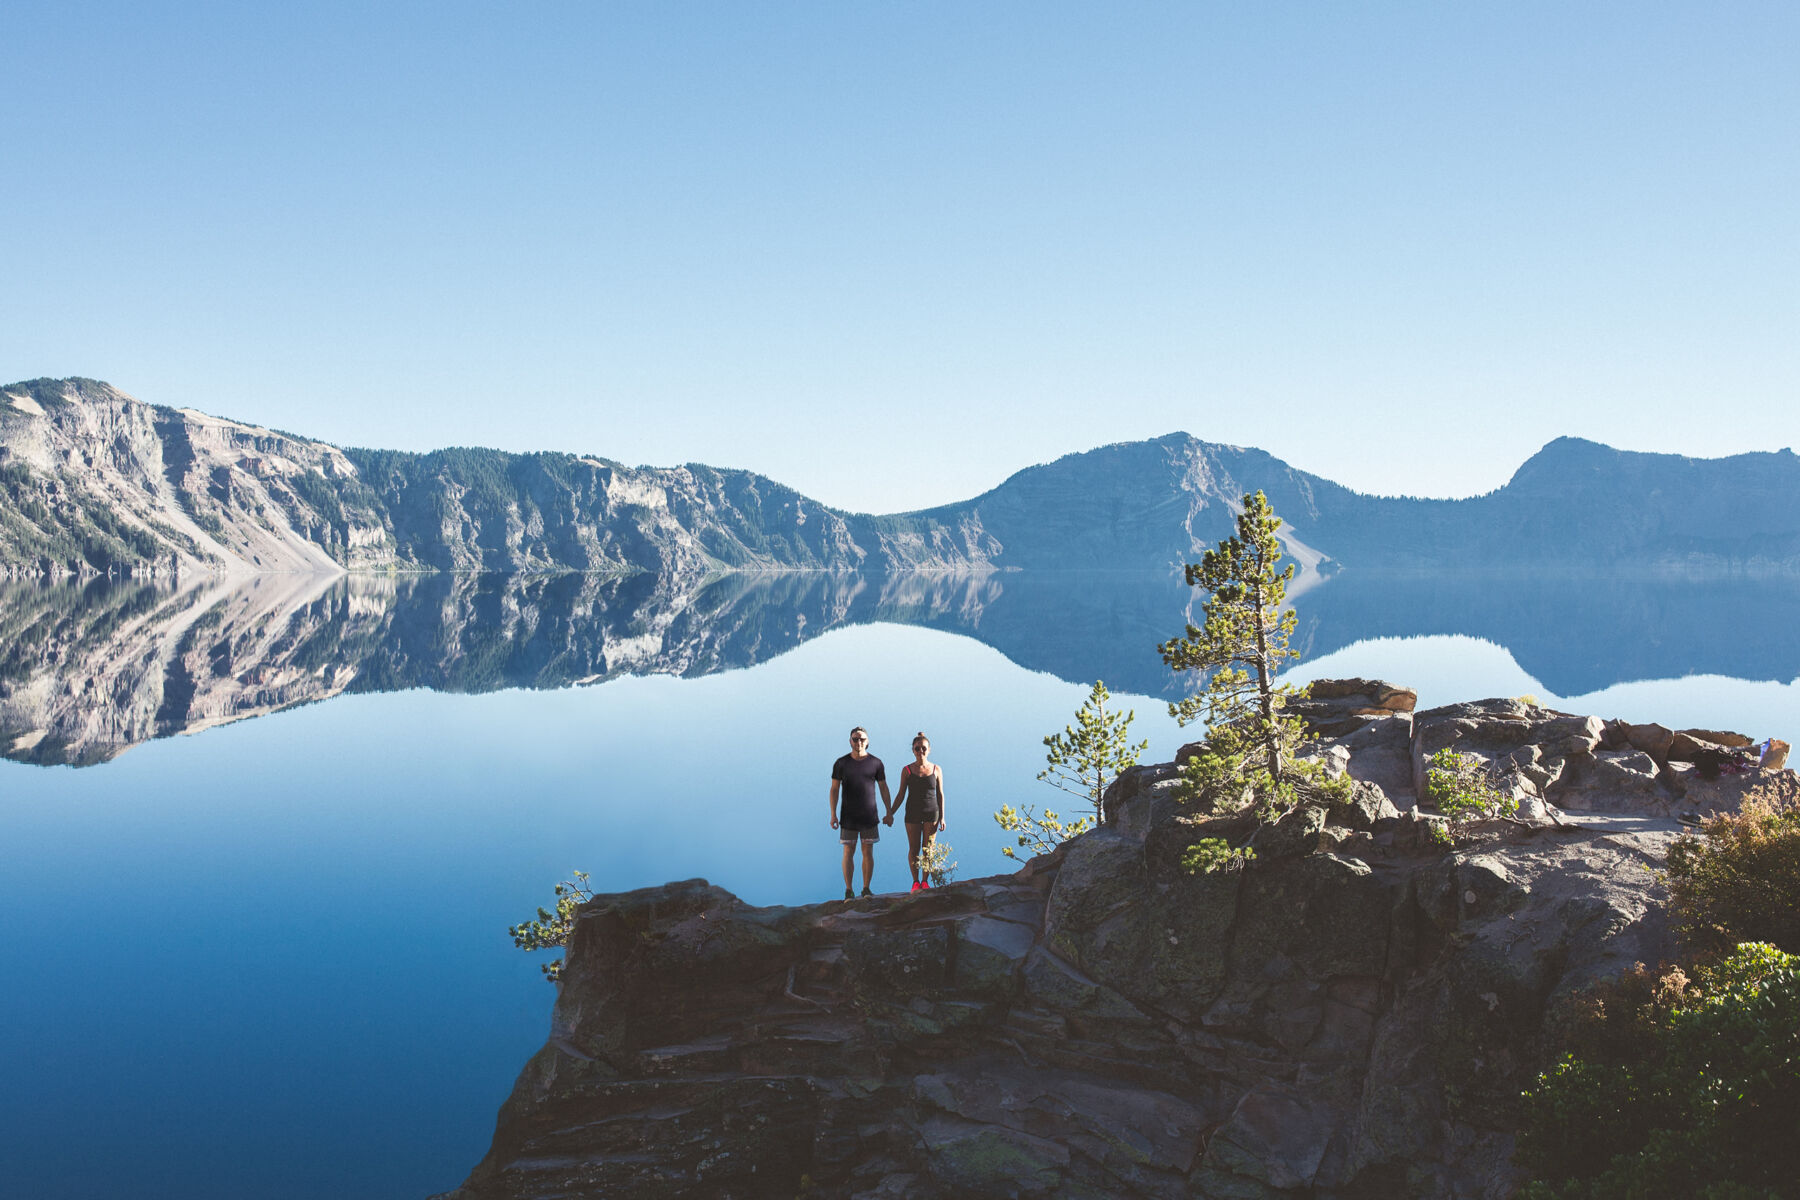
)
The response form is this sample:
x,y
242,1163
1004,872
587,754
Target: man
x,y
858,774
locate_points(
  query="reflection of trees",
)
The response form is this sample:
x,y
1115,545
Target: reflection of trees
x,y
87,670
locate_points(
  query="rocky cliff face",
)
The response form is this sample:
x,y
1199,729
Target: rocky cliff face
x,y
92,481
1351,1016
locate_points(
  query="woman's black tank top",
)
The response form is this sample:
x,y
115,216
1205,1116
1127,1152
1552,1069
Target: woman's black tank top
x,y
921,797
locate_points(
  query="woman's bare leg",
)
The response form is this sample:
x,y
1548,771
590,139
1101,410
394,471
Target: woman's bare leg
x,y
913,833
930,832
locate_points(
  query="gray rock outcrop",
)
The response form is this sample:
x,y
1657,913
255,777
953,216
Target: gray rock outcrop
x,y
1351,1015
1559,761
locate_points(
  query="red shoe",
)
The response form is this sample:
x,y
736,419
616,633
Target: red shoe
x,y
925,884
917,886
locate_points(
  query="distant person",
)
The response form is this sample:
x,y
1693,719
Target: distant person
x,y
858,774
922,791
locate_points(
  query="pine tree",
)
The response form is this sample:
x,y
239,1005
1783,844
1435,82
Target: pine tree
x,y
1082,760
1091,753
1241,645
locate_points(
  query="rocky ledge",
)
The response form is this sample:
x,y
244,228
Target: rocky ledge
x,y
1352,1015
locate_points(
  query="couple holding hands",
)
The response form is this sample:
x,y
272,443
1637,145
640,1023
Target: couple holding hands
x,y
857,777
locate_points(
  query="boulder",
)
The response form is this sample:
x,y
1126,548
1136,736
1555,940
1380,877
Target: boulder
x,y
1775,787
1333,707
1491,730
1367,805
1161,781
1278,1135
1296,833
1654,740
1687,747
1720,737
1626,781
1369,693
1380,752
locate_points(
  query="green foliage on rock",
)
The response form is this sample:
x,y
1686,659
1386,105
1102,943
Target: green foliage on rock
x,y
1037,833
936,864
1210,855
1739,881
551,929
1457,786
1691,1091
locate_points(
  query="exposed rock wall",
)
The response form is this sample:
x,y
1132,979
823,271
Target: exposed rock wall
x,y
91,480
1351,1016
94,481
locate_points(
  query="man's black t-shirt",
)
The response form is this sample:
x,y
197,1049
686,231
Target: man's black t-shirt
x,y
857,805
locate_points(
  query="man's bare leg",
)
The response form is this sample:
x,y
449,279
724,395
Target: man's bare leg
x,y
868,864
849,862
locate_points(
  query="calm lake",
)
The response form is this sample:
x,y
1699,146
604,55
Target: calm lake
x,y
259,846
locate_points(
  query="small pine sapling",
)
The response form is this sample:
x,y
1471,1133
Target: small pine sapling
x,y
552,929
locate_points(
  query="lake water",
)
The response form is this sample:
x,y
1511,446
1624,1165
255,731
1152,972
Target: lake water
x,y
256,945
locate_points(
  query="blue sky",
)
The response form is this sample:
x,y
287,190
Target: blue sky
x,y
891,253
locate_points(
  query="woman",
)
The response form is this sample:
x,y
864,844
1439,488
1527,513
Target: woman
x,y
922,791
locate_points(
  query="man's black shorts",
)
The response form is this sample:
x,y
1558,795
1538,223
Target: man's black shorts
x,y
848,834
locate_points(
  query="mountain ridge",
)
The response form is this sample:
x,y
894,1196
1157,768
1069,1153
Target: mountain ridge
x,y
94,481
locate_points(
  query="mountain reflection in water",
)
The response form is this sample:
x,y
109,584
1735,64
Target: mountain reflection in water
x,y
89,670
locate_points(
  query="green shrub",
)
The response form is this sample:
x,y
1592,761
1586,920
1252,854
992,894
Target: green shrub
x,y
1694,1096
552,929
1618,1020
936,864
1738,882
1037,834
1209,855
1457,786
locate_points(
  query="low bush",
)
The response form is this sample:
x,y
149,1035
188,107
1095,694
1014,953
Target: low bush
x,y
1618,1020
1689,1089
936,864
1739,881
1209,855
1457,786
1037,833
551,929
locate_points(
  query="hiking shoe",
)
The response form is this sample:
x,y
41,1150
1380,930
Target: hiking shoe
x,y
866,891
917,885
851,895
